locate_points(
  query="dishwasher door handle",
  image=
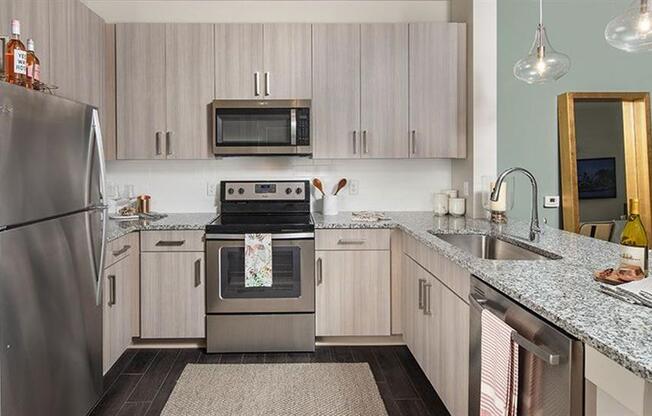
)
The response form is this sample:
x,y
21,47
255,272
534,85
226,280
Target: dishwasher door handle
x,y
543,353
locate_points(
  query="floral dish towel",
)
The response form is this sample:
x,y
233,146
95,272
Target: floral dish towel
x,y
258,260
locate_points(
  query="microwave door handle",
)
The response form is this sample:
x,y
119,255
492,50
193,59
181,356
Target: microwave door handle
x,y
293,127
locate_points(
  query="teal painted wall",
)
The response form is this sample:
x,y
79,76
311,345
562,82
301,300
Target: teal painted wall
x,y
527,114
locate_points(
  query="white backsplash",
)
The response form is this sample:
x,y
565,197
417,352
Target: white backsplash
x,y
181,186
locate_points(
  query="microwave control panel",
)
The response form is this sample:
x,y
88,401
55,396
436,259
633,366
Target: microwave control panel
x,y
303,126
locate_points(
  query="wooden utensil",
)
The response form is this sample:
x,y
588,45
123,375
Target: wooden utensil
x,y
317,184
341,184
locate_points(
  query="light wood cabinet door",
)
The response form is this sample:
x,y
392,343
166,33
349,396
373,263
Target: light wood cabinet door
x,y
437,90
336,91
287,60
117,304
384,90
63,36
353,293
140,90
410,302
453,366
189,79
172,295
238,61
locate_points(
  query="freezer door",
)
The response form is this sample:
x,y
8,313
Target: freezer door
x,y
50,321
46,149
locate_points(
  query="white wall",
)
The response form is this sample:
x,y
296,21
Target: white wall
x,y
181,186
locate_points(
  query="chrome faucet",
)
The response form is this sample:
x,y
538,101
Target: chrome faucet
x,y
535,229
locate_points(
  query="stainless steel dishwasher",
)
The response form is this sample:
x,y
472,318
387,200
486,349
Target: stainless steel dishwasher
x,y
551,362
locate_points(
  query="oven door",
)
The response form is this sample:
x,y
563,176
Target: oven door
x,y
293,287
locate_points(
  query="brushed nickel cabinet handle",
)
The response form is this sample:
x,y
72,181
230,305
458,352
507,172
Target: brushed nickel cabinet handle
x,y
257,84
355,142
345,241
111,279
364,141
268,82
320,276
414,141
171,243
168,142
123,250
197,272
428,309
422,282
158,143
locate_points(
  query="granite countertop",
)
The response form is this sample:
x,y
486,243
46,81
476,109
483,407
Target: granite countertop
x,y
561,291
178,221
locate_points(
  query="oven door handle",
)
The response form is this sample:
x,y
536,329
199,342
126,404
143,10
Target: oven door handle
x,y
282,236
541,352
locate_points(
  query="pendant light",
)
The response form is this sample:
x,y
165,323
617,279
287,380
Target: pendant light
x,y
632,30
543,63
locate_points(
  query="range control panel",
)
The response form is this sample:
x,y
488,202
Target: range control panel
x,y
265,191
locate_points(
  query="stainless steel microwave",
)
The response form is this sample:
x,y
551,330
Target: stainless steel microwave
x,y
261,127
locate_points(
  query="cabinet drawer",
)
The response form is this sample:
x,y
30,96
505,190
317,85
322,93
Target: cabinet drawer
x,y
172,241
352,239
120,248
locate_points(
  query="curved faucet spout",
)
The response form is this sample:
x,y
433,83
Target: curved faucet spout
x,y
535,229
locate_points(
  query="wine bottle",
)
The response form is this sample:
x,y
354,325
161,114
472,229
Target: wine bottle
x,y
633,240
15,57
33,66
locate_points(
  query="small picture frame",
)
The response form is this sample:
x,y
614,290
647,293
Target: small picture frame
x,y
596,178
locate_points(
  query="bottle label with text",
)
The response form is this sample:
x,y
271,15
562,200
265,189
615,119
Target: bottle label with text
x,y
20,62
633,256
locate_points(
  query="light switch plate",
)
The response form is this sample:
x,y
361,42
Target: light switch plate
x,y
551,201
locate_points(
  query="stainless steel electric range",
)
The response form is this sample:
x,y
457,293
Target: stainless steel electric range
x,y
261,319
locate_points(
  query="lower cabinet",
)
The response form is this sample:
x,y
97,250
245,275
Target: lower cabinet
x,y
172,295
436,330
353,293
119,300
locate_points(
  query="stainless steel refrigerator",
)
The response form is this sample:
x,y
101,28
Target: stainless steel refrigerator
x,y
52,233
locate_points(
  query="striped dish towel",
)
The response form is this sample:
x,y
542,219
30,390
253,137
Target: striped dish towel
x,y
499,368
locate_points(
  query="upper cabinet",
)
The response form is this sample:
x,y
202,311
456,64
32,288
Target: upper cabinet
x,y
335,108
384,91
373,99
162,113
437,90
266,61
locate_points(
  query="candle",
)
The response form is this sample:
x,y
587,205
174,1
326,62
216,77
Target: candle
x,y
501,204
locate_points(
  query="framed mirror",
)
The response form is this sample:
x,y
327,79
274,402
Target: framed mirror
x,y
604,159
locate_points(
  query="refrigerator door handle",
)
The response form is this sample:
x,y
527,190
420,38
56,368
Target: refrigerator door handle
x,y
97,149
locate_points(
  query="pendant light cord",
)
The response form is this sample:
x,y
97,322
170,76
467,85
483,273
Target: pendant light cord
x,y
541,12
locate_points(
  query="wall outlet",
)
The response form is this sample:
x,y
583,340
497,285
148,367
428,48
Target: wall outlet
x,y
354,187
466,188
211,188
551,201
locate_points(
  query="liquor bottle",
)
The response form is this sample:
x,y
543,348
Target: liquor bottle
x,y
15,57
33,66
633,240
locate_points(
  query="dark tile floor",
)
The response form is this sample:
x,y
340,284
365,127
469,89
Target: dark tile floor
x,y
141,381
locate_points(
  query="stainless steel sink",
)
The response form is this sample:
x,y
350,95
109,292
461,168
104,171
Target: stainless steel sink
x,y
493,248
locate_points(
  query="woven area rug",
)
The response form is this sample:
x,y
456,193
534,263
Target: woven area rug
x,y
276,389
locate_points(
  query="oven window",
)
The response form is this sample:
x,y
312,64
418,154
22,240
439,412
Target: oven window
x,y
253,127
286,274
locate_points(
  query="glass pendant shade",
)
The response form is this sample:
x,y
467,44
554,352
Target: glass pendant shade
x,y
632,30
543,63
